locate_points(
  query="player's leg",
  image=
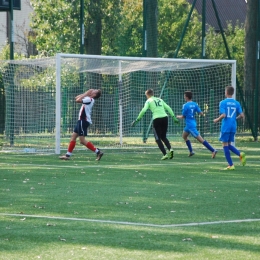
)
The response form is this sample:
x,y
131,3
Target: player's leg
x,y
225,138
157,132
72,143
207,145
164,128
71,147
185,135
89,145
242,158
233,149
228,157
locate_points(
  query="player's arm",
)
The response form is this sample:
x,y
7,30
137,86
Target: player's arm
x,y
239,112
168,108
141,114
80,97
198,110
182,116
219,118
241,115
222,112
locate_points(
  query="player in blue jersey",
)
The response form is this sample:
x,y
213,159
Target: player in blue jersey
x,y
230,110
189,110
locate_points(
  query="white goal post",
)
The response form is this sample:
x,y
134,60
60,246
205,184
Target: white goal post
x,y
46,113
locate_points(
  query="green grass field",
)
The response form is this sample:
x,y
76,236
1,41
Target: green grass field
x,y
130,205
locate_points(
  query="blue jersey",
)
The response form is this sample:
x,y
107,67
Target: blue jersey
x,y
231,108
189,110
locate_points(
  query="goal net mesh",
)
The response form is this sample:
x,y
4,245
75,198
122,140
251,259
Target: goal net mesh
x,y
31,100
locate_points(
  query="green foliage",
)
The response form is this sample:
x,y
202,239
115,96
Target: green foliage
x,y
172,17
129,39
57,29
112,22
5,54
56,24
235,37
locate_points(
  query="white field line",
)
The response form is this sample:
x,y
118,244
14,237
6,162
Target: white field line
x,y
98,165
132,223
123,166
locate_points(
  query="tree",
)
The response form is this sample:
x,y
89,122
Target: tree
x,y
128,39
250,45
172,17
94,28
56,24
151,8
235,37
112,27
250,61
115,27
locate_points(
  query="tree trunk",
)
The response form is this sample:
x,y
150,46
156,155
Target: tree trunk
x,y
151,26
94,28
250,45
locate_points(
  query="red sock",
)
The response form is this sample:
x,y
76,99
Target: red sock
x,y
91,147
71,146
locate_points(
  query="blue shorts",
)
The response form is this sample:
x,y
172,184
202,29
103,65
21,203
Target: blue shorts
x,y
193,131
81,128
227,137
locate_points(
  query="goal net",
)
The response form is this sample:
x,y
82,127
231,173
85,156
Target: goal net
x,y
41,111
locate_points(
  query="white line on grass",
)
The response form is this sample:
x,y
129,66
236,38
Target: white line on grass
x,y
123,166
133,223
101,165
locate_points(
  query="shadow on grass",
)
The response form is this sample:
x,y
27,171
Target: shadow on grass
x,y
26,233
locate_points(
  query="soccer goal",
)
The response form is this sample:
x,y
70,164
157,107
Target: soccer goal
x,y
40,98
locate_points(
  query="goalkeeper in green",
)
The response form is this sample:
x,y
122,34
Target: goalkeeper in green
x,y
160,121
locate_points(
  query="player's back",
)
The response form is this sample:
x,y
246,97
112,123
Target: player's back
x,y
189,111
156,105
231,108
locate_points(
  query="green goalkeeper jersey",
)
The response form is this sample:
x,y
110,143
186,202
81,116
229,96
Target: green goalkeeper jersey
x,y
157,106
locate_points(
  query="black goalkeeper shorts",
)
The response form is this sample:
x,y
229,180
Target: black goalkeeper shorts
x,y
160,126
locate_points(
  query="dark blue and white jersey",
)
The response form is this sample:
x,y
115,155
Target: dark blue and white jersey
x,y
86,109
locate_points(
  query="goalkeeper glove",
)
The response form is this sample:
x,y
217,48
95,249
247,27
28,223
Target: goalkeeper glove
x,y
134,122
176,120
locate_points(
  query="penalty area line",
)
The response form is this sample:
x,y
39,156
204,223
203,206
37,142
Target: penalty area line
x,y
133,223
